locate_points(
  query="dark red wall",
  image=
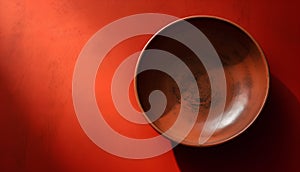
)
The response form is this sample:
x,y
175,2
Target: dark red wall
x,y
40,42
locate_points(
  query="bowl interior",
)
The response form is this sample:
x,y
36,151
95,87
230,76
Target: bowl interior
x,y
246,72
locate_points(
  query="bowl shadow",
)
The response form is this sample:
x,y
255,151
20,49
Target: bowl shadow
x,y
271,143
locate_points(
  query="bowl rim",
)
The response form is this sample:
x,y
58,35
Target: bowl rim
x,y
206,144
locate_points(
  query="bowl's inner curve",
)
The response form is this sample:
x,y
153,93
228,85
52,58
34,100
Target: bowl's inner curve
x,y
246,75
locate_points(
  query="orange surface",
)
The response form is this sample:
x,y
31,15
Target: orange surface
x,y
40,42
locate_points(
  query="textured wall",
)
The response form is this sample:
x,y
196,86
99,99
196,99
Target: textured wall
x,y
40,42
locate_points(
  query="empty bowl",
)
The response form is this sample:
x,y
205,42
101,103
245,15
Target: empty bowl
x,y
245,69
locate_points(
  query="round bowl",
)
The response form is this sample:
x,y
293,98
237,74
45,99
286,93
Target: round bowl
x,y
246,73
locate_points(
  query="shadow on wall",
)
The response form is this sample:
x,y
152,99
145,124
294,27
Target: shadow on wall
x,y
270,144
20,144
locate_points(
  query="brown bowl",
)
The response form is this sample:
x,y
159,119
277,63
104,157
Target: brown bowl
x,y
247,81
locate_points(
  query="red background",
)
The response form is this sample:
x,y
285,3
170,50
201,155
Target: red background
x,y
40,42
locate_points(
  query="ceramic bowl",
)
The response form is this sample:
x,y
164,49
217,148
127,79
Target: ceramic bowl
x,y
246,73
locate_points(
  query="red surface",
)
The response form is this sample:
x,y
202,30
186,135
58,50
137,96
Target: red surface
x,y
40,42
